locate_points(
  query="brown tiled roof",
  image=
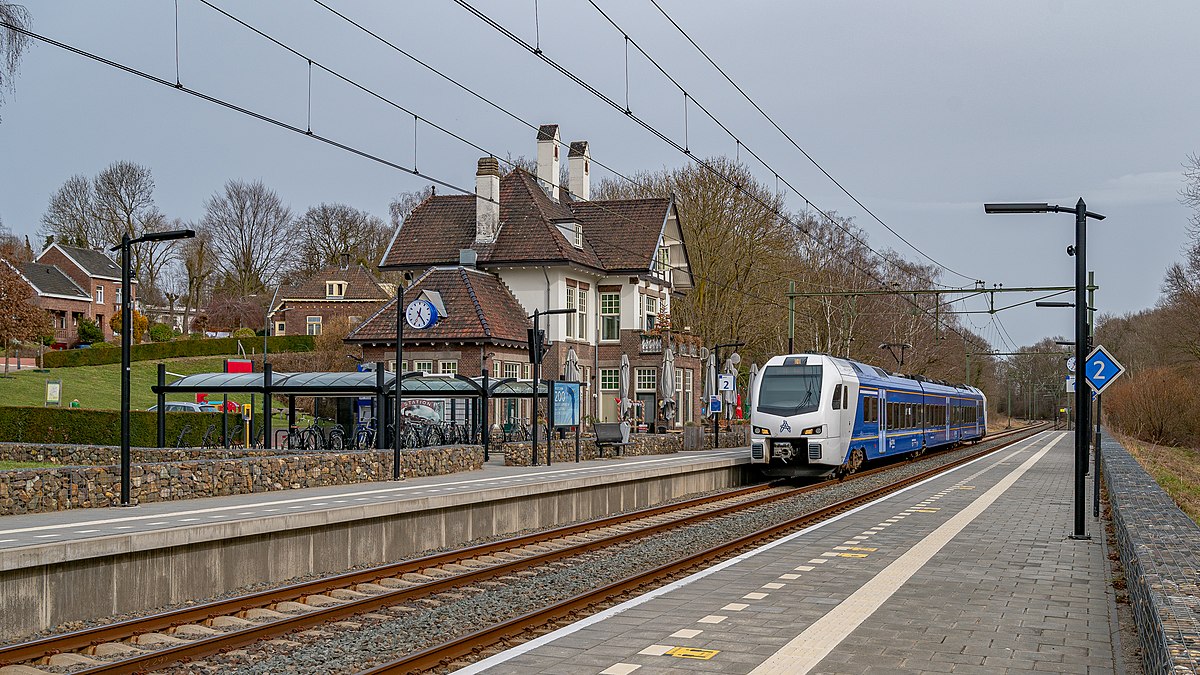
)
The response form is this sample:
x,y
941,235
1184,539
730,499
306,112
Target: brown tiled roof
x,y
479,308
618,234
624,233
360,285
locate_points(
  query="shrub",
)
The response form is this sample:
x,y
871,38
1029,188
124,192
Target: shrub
x,y
152,351
1159,405
102,345
161,332
88,331
243,333
103,427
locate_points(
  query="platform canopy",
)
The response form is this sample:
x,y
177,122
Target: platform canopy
x,y
347,384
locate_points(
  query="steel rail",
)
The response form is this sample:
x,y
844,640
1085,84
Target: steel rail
x,y
79,640
473,643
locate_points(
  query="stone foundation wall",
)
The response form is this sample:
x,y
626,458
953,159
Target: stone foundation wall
x,y
69,487
106,455
1160,552
520,453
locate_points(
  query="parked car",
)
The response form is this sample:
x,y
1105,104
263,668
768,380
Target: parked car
x,y
186,406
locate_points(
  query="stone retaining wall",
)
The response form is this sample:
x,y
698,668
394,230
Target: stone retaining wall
x,y
1160,553
107,455
69,487
520,453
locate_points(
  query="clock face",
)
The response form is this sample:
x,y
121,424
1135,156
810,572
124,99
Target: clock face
x,y
420,314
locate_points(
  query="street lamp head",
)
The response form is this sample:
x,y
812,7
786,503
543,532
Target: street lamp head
x,y
1016,207
165,236
1045,303
1065,343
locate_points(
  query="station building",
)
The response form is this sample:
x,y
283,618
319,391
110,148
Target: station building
x,y
523,242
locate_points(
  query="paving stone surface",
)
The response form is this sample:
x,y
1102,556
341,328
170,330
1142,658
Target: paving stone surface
x,y
972,572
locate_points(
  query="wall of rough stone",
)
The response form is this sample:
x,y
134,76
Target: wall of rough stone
x,y
69,487
104,455
1159,547
521,453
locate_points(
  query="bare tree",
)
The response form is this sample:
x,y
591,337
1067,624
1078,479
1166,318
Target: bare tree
x,y
12,43
198,260
70,217
251,235
404,203
327,231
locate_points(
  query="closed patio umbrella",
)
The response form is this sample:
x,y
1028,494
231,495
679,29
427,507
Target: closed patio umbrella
x,y
750,389
729,398
571,369
666,385
710,382
624,391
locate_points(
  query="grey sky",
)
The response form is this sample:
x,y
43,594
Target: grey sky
x,y
924,110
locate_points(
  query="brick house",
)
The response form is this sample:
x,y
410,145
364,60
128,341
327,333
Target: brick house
x,y
620,263
345,292
74,283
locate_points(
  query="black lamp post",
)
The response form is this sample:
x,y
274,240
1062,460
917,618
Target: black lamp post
x,y
1079,250
126,340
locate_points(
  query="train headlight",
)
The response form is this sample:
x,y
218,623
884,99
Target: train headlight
x,y
811,431
762,431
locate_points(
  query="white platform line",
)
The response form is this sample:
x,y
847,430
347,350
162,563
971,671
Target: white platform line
x,y
508,655
407,488
810,647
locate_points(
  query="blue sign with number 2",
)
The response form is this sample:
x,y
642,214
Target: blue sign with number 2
x,y
1101,369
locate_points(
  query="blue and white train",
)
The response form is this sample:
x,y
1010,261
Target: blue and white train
x,y
815,414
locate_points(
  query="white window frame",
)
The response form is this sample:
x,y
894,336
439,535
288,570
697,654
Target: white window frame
x,y
646,379
610,379
335,290
572,303
424,365
609,315
512,369
581,317
99,295
651,315
449,366
280,327
310,324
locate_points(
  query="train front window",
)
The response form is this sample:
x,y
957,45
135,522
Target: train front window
x,y
790,390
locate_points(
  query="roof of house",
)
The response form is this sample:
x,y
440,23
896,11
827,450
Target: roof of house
x,y
617,234
94,263
49,280
479,307
361,284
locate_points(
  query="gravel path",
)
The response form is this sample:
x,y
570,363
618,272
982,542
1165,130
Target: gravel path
x,y
350,647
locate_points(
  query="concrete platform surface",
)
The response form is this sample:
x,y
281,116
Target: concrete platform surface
x,y
81,533
969,572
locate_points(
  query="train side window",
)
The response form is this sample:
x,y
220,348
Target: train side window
x,y
837,397
846,397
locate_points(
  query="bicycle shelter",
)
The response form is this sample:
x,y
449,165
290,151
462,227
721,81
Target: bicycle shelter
x,y
378,384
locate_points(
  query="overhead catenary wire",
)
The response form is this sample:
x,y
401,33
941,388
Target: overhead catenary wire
x,y
796,145
733,136
304,132
566,72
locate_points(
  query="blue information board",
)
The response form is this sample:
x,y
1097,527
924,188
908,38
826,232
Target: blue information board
x,y
566,403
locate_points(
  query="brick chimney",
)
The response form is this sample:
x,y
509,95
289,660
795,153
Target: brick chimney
x,y
487,200
547,159
579,171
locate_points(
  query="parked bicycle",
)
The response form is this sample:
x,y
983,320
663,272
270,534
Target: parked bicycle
x,y
516,430
182,432
210,437
315,437
364,435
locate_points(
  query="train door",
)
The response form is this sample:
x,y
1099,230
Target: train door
x,y
950,434
883,421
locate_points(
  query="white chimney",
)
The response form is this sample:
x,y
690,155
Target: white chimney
x,y
579,171
547,159
487,200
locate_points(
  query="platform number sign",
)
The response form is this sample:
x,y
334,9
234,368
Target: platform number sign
x,y
1101,369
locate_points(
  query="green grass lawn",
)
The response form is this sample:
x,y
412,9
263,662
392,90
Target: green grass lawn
x,y
99,387
6,465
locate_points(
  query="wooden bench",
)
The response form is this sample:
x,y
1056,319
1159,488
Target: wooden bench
x,y
609,433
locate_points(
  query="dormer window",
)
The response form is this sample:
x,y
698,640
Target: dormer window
x,y
335,289
577,241
662,261
571,230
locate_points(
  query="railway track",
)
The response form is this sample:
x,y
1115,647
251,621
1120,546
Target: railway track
x,y
162,640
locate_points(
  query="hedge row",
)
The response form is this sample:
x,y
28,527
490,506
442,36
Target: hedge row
x,y
150,351
103,427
